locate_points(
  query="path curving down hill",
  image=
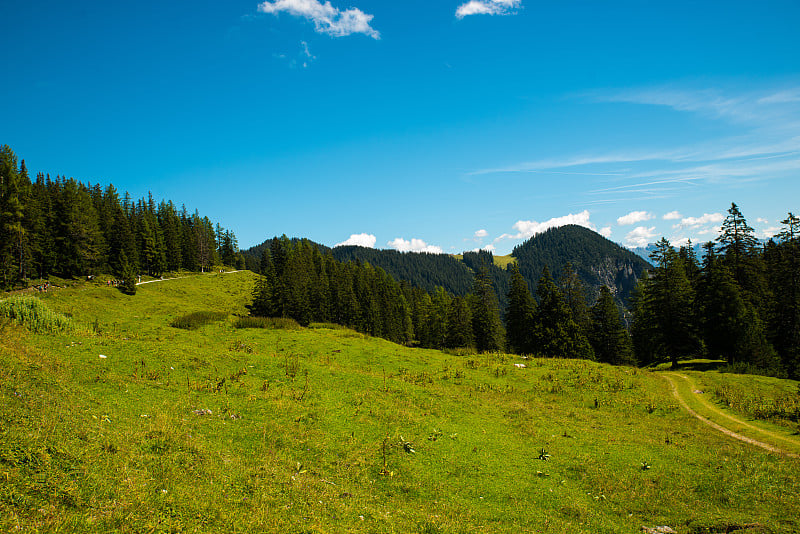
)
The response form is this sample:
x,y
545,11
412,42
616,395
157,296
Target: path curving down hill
x,y
179,277
675,378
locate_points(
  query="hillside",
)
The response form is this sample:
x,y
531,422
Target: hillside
x,y
127,424
597,260
423,270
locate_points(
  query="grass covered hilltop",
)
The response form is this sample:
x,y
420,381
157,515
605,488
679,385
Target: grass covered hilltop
x,y
114,420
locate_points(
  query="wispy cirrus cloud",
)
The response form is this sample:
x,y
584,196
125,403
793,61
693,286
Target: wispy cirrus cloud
x,y
326,18
487,7
763,144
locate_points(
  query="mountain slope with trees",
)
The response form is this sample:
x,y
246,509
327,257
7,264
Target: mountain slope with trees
x,y
597,261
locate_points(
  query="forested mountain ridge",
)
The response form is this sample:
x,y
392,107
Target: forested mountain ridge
x,y
419,269
252,255
597,261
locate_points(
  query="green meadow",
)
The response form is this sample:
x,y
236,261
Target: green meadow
x,y
166,412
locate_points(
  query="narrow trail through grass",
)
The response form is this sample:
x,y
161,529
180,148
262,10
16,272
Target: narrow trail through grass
x,y
689,388
180,277
128,424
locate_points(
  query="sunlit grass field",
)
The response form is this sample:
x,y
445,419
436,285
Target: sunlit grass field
x,y
130,424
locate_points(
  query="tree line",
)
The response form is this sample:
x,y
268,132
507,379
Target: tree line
x,y
65,228
300,281
740,303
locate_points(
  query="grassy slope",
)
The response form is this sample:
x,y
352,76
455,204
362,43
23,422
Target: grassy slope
x,y
295,444
500,261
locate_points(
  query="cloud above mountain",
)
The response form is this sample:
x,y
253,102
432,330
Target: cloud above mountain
x,y
359,240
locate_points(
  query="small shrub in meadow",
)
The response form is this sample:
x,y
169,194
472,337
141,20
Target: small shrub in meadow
x,y
34,315
273,323
195,320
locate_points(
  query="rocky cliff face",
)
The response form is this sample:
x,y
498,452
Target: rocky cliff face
x,y
619,275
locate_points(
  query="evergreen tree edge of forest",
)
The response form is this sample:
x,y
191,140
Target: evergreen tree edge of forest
x,y
740,303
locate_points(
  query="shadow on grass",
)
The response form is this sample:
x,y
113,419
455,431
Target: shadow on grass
x,y
693,365
701,365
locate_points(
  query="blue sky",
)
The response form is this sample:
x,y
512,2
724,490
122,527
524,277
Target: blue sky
x,y
417,125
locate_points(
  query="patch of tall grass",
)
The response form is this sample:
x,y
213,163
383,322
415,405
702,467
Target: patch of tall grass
x,y
272,323
779,407
34,315
194,320
327,326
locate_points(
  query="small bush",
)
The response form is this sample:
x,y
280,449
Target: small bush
x,y
327,326
461,351
743,368
778,407
195,320
273,323
34,315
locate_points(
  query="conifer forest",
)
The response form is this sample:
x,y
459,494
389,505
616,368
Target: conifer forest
x,y
739,301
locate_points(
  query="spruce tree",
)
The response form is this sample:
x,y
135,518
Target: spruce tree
x,y
437,320
11,217
783,267
556,333
486,326
459,320
520,314
128,276
609,338
737,244
574,291
673,302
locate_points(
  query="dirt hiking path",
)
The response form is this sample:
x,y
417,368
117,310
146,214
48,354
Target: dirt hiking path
x,y
180,277
672,377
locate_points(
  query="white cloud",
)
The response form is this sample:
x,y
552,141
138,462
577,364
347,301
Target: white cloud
x,y
481,234
762,220
681,242
770,232
415,245
708,231
487,7
359,240
526,229
707,218
640,236
487,248
634,217
326,18
672,216
605,232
